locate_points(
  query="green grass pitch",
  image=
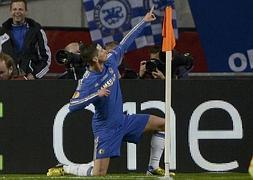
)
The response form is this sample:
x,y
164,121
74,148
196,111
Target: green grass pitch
x,y
132,176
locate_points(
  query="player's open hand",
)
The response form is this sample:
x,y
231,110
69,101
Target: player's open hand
x,y
150,16
103,92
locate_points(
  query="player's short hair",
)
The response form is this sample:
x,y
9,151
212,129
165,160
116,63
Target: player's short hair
x,y
88,52
24,1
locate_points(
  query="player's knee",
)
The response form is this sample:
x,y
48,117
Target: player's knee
x,y
161,126
156,123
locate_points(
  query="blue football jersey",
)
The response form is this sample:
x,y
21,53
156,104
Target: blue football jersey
x,y
108,110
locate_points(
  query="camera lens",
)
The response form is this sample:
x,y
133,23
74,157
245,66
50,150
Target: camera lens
x,y
151,66
62,56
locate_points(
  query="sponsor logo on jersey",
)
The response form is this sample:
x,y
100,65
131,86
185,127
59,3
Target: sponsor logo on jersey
x,y
109,82
105,76
111,70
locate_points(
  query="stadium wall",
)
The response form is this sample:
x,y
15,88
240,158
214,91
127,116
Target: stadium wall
x,y
61,13
211,125
69,13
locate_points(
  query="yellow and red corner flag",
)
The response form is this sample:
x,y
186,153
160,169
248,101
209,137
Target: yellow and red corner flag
x,y
169,41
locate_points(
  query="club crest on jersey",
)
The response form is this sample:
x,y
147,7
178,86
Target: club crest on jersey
x,y
109,82
111,15
111,70
101,151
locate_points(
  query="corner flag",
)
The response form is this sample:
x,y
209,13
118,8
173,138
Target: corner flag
x,y
167,46
168,31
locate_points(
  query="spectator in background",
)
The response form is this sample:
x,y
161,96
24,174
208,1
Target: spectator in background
x,y
182,64
26,42
70,57
73,47
7,68
154,68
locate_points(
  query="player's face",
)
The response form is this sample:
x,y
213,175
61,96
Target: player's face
x,y
102,54
5,73
18,12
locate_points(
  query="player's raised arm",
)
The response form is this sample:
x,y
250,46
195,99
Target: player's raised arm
x,y
134,33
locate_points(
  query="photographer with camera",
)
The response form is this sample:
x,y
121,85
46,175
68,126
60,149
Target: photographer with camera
x,y
182,64
148,70
154,68
71,59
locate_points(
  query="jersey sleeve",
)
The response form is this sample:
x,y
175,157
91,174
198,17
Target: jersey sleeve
x,y
132,35
118,53
84,95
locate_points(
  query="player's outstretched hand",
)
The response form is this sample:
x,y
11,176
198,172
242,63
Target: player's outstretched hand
x,y
150,16
103,92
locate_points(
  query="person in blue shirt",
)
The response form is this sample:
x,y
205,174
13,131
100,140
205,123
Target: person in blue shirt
x,y
100,86
25,41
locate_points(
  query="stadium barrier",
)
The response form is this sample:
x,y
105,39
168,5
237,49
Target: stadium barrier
x,y
211,125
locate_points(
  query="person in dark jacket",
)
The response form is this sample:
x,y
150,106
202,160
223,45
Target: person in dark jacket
x,y
25,41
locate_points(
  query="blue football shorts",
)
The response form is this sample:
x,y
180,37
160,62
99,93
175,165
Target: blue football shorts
x,y
108,143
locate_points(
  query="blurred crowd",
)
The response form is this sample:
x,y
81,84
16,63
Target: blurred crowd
x,y
25,54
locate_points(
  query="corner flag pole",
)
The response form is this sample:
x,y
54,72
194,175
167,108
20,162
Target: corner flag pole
x,y
167,112
168,45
